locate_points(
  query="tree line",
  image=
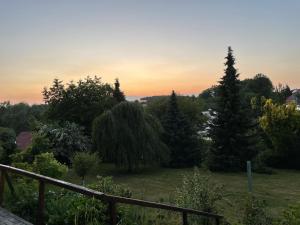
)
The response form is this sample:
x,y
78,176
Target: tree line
x,y
248,120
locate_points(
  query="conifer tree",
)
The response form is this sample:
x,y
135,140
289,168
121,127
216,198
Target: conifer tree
x,y
117,93
180,136
231,128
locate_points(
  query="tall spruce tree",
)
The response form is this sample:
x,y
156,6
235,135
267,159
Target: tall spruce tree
x,y
117,93
231,127
180,137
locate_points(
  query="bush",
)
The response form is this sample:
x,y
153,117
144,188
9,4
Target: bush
x,y
73,208
25,201
7,144
281,124
291,216
255,212
44,163
47,165
83,163
40,144
259,164
199,192
65,207
63,140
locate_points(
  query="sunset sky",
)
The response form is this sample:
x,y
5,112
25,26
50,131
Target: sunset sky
x,y
152,46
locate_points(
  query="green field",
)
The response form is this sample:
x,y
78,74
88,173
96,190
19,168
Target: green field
x,y
279,189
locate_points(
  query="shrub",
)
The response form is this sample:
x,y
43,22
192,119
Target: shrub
x,y
25,201
199,192
63,140
259,163
73,208
291,216
65,207
281,124
7,144
83,163
254,212
47,165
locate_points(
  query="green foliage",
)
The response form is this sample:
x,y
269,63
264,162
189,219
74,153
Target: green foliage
x,y
83,163
136,215
208,97
79,103
180,136
47,165
281,123
24,202
40,143
78,209
254,212
259,86
117,93
297,97
190,107
21,116
129,137
7,144
199,192
231,129
291,216
66,207
43,163
281,93
62,140
24,159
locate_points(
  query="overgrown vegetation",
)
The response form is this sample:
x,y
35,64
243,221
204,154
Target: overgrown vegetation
x,y
199,192
83,163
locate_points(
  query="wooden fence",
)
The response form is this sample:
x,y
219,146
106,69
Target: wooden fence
x,y
110,199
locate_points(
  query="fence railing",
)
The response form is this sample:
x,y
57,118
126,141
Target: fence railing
x,y
110,199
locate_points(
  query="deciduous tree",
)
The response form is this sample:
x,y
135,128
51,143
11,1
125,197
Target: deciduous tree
x,y
83,163
78,102
129,137
281,123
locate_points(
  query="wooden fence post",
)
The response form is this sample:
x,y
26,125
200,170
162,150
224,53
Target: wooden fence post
x,y
41,207
184,218
217,221
112,212
2,184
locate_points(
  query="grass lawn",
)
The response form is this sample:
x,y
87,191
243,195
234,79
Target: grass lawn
x,y
279,189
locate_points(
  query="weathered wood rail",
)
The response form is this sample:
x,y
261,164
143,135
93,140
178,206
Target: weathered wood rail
x,y
110,199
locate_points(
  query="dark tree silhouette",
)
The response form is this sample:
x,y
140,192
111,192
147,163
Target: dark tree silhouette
x,y
78,102
180,136
117,93
129,137
230,129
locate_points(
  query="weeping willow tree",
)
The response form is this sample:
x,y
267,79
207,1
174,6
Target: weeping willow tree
x,y
129,137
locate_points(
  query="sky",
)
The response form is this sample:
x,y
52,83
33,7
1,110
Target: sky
x,y
152,46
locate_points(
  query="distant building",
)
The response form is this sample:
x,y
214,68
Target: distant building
x,y
24,139
295,97
209,114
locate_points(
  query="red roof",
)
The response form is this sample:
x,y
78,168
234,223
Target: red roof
x,y
24,140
